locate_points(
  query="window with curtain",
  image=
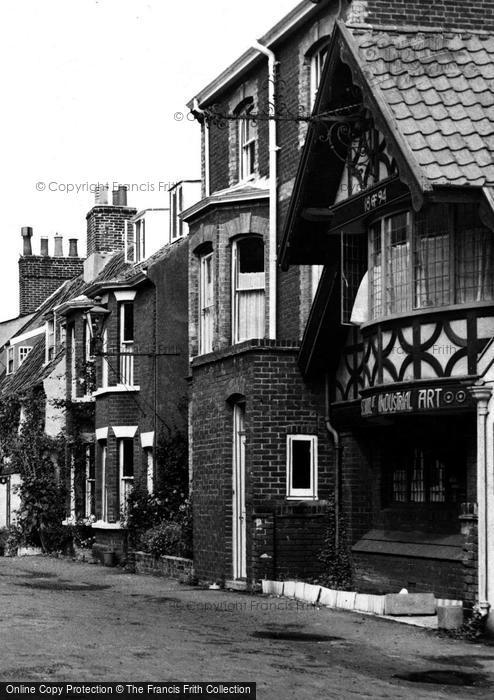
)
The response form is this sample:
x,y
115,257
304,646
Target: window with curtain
x,y
452,260
432,258
248,289
474,257
390,265
206,300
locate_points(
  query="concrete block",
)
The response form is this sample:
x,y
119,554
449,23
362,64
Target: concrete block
x,y
327,597
289,589
449,617
311,593
299,590
376,603
267,587
362,602
346,600
410,604
277,587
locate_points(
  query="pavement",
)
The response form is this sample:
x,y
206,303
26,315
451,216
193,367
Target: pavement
x,y
68,621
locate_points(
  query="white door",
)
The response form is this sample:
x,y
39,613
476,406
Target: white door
x,y
239,519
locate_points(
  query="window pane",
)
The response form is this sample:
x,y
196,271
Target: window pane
x,y
432,258
474,257
128,322
249,318
376,270
301,464
397,288
128,457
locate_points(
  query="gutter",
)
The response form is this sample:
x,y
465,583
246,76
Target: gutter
x,y
273,186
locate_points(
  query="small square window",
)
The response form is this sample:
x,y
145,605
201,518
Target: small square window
x,y
23,353
302,466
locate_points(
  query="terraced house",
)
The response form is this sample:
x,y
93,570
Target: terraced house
x,y
394,194
108,352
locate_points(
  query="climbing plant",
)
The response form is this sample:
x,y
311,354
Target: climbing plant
x,y
41,462
335,555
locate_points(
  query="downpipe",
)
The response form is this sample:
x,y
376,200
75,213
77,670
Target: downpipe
x,y
338,461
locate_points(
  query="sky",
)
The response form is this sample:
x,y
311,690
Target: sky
x,y
90,89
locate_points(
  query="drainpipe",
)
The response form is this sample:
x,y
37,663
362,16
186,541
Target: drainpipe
x,y
482,394
273,187
338,459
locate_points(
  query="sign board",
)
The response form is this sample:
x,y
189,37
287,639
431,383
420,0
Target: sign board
x,y
416,400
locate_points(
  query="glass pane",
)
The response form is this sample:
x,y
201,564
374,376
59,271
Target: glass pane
x,y
301,464
397,287
474,257
128,322
128,457
432,258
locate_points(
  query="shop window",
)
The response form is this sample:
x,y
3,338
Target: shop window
x,y
206,298
421,475
302,466
126,470
246,140
248,289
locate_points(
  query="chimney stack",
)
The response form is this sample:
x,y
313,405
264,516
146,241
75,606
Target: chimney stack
x,y
44,247
58,253
27,234
73,248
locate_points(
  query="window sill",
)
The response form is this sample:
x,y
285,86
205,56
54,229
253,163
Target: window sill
x,y
103,525
117,389
427,310
83,399
302,498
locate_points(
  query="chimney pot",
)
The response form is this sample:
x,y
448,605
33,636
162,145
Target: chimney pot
x,y
44,246
73,248
120,196
58,247
27,234
101,195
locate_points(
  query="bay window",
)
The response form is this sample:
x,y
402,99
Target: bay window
x,y
441,256
248,289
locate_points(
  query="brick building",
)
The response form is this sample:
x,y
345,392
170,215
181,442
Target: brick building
x,y
394,196
131,368
107,349
260,455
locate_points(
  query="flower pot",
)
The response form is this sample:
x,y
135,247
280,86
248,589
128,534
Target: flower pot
x,y
109,558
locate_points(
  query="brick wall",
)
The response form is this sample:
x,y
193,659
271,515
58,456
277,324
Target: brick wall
x,y
441,13
106,227
277,403
40,276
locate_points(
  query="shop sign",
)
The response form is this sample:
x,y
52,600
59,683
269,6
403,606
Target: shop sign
x,y
416,400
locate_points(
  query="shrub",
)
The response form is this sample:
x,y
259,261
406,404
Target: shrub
x,y
165,538
4,535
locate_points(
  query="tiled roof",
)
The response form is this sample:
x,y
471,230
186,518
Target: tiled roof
x,y
440,92
32,371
